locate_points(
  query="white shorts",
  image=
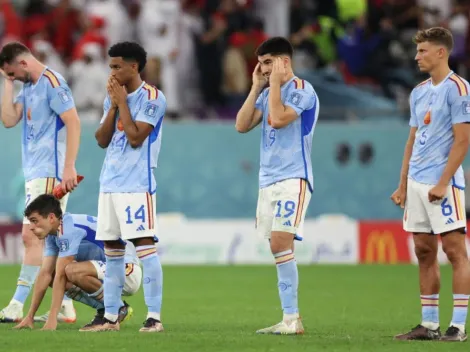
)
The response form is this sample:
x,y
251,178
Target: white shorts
x,y
282,207
422,216
133,276
126,216
38,186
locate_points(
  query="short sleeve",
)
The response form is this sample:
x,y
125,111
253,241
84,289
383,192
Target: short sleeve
x,y
300,100
152,111
413,118
60,99
50,247
459,102
69,241
106,107
259,101
19,99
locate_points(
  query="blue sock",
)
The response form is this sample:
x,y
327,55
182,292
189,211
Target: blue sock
x,y
430,310
66,298
152,279
459,316
77,294
288,283
113,282
26,280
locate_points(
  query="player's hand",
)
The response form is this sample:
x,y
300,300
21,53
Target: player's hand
x,y
117,92
26,323
50,325
399,197
69,178
437,193
259,81
7,78
278,72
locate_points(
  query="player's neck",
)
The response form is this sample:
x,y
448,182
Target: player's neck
x,y
288,77
37,69
133,85
439,74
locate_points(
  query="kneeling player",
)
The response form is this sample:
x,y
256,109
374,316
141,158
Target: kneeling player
x,y
68,238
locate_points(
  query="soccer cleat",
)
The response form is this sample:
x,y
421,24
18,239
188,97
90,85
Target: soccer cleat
x,y
100,323
97,320
13,313
66,314
125,313
454,334
420,333
291,327
152,325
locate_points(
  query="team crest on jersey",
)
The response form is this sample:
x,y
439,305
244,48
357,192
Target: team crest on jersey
x,y
119,125
151,110
427,118
64,97
466,107
64,245
295,98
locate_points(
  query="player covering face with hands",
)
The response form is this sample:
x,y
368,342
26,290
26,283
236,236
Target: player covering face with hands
x,y
130,130
287,111
50,142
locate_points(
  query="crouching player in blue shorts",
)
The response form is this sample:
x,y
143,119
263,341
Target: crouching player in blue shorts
x,y
73,261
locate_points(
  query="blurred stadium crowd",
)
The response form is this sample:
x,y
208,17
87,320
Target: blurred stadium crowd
x,y
201,52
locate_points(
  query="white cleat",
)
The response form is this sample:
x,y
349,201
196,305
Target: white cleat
x,y
67,315
13,313
291,327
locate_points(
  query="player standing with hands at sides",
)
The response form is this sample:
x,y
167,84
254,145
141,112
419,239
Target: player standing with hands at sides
x,y
432,182
50,142
288,111
131,131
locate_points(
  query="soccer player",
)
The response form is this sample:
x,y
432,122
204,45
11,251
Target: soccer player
x,y
50,141
131,131
287,111
73,260
432,182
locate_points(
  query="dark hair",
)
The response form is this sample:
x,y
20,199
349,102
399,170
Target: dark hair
x,y
275,46
436,35
44,205
129,51
11,51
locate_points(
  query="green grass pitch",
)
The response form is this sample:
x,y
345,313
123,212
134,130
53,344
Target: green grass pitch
x,y
214,309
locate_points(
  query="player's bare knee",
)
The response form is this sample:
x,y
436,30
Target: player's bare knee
x,y
114,245
455,252
425,253
281,241
146,241
28,237
71,271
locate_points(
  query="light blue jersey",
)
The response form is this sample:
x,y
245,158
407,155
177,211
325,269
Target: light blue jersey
x,y
434,109
77,238
130,170
286,152
44,135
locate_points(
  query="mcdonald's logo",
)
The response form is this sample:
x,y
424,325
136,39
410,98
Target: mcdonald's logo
x,y
381,248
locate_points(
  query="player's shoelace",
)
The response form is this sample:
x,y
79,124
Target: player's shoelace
x,y
452,331
150,322
97,320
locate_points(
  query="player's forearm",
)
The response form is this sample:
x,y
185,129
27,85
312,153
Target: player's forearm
x,y
130,128
9,115
73,142
58,291
406,163
104,133
276,108
40,287
245,115
456,157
